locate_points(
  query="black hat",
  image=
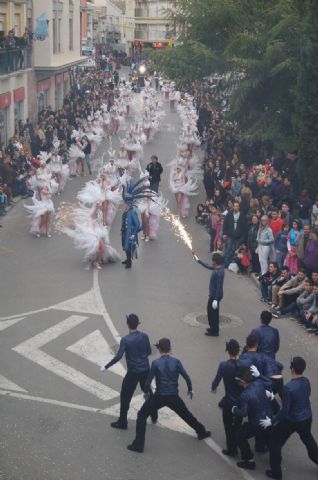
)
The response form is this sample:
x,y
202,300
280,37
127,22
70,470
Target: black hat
x,y
132,320
164,345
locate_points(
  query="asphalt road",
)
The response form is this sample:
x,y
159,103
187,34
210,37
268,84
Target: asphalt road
x,y
59,322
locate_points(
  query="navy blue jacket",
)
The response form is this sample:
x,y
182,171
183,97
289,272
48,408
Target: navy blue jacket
x,y
227,372
167,369
268,340
136,347
216,281
248,359
254,404
272,367
296,403
130,227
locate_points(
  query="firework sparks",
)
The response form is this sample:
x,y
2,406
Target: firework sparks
x,y
177,227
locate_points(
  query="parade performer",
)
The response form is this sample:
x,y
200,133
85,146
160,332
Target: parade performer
x,y
166,370
132,192
41,212
136,347
182,184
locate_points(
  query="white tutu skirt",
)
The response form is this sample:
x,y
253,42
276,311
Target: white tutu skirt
x,y
91,193
36,211
153,226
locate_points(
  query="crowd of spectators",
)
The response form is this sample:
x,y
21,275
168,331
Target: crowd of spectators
x,y
18,160
14,51
255,212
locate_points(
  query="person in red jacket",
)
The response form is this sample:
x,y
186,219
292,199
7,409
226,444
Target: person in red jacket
x,y
276,223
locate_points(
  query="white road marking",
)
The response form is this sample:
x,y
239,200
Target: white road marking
x,y
101,307
6,384
94,348
209,442
7,323
84,303
30,349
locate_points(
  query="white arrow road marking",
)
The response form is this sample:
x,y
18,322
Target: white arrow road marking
x,y
209,442
30,349
94,348
6,384
7,323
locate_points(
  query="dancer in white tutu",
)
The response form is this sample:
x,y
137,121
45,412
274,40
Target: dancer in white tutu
x,y
60,171
182,185
84,226
76,156
41,212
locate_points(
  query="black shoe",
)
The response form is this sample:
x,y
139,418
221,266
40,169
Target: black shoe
x,y
134,448
271,474
128,265
121,426
210,334
203,435
124,262
247,464
228,453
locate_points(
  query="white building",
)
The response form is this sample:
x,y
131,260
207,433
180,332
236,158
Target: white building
x,y
55,56
110,24
152,27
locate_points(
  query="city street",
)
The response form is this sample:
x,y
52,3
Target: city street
x,y
60,322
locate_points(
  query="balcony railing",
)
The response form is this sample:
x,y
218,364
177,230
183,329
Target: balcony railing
x,y
14,59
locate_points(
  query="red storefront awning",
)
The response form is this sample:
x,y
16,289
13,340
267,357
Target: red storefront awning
x,y
5,100
19,95
44,85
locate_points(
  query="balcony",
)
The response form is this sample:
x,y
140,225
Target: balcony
x,y
15,59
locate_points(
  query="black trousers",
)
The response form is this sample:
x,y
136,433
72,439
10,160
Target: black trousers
x,y
232,424
281,433
247,431
213,317
128,388
128,256
154,403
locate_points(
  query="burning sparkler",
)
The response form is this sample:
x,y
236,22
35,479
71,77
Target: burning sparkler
x,y
178,228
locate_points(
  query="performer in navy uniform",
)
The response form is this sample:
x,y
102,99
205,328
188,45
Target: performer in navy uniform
x,y
155,170
228,371
294,416
166,370
268,337
253,404
136,347
215,292
130,227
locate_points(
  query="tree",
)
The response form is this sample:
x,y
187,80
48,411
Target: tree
x,y
306,117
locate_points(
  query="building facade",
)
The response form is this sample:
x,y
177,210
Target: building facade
x,y
15,67
152,26
86,24
55,56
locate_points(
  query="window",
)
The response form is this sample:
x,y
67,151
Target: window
x,y
17,24
2,22
71,33
43,100
54,36
18,112
59,44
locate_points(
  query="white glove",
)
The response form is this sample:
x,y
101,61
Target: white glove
x,y
215,304
233,409
196,258
254,371
190,394
265,423
103,369
269,395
